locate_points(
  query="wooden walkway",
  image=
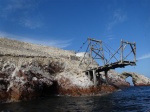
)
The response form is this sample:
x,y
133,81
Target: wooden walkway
x,y
94,73
96,51
114,65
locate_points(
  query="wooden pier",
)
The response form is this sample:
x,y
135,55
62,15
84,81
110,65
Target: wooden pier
x,y
94,73
96,47
107,67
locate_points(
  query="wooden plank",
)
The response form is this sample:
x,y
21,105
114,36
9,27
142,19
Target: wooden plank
x,y
112,66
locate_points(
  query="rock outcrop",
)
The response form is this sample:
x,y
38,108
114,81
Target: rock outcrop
x,y
115,79
22,78
138,80
28,71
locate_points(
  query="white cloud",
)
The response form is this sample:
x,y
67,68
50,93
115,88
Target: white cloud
x,y
31,23
49,42
22,12
117,17
11,7
146,56
14,5
111,38
42,41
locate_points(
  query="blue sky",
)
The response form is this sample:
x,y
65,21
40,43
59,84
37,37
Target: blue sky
x,y
68,23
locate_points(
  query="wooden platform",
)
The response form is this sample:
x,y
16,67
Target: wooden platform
x,y
107,67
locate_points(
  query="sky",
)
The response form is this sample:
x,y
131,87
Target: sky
x,y
68,23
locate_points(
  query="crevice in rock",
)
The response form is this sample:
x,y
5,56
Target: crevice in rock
x,y
50,90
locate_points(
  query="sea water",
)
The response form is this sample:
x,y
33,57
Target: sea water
x,y
132,99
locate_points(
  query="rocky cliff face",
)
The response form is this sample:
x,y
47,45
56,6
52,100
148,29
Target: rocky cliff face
x,y
28,71
138,80
22,78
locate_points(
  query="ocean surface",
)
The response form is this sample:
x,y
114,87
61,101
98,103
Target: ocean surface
x,y
133,99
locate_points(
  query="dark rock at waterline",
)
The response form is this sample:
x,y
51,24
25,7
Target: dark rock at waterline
x,y
27,80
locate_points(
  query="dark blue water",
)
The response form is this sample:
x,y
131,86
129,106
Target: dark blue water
x,y
133,99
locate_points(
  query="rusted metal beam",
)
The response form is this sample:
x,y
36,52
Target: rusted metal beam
x,y
126,42
95,40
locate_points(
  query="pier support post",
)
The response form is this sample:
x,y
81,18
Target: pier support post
x,y
94,78
89,75
106,76
99,79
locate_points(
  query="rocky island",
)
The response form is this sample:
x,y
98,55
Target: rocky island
x,y
29,71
